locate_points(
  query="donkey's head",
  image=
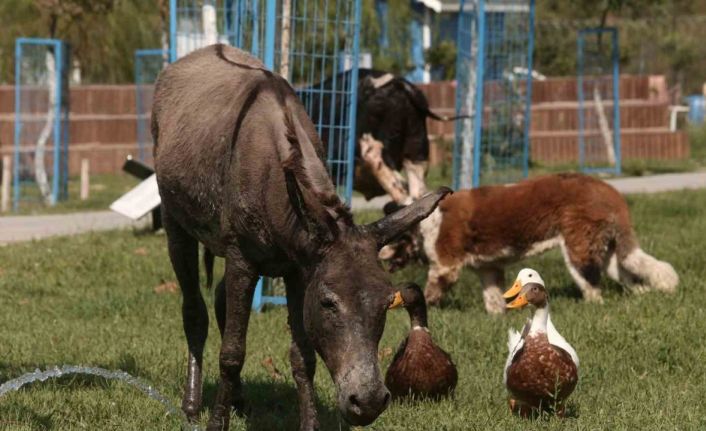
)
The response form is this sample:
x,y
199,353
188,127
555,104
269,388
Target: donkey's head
x,y
348,294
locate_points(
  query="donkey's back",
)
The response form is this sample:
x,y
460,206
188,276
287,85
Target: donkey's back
x,y
219,123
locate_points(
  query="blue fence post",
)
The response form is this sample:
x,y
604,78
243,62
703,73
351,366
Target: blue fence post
x,y
18,125
257,296
270,31
145,76
579,59
353,105
478,111
65,125
58,113
381,8
461,58
592,73
172,31
58,68
495,43
528,93
138,104
616,102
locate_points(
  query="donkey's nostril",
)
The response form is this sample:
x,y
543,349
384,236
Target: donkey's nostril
x,y
386,401
354,406
353,400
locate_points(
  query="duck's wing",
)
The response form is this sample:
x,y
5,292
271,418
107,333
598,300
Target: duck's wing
x,y
515,342
555,339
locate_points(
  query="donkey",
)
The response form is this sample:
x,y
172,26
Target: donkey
x,y
240,169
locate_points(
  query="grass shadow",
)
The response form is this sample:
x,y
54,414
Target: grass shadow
x,y
28,418
270,404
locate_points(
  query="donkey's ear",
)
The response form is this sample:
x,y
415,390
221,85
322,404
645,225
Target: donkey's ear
x,y
392,225
318,223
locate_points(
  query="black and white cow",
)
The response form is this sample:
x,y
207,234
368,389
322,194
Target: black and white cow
x,y
391,132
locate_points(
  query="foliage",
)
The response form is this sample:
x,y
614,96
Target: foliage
x,y
395,57
103,34
656,37
442,56
91,300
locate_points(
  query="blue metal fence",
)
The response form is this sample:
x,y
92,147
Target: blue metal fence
x,y
308,42
148,64
40,172
599,100
495,41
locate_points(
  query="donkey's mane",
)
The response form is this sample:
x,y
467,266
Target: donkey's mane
x,y
335,209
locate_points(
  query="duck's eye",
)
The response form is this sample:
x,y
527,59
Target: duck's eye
x,y
329,304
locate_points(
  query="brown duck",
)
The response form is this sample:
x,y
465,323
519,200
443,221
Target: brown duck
x,y
419,368
542,368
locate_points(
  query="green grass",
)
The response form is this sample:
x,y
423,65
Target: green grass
x,y
104,189
90,300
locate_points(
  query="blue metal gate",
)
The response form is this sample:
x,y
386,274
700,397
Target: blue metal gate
x,y
314,44
494,87
40,171
599,100
148,64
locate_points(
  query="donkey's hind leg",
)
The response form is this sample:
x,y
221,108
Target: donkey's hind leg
x,y
184,255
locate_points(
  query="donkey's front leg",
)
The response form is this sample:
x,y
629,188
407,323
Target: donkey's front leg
x,y
240,280
301,354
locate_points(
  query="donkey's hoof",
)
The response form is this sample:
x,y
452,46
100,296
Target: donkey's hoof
x,y
191,409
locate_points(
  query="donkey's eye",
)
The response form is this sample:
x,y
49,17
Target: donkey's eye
x,y
329,304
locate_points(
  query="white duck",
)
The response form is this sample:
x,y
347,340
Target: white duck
x,y
541,370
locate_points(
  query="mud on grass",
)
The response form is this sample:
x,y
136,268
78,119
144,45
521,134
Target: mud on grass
x,y
94,300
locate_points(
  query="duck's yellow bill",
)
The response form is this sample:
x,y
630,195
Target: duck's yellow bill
x,y
518,302
514,290
396,301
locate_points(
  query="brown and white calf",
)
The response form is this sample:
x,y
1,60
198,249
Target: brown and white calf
x,y
489,227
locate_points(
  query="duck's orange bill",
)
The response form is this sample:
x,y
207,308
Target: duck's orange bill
x,y
518,302
396,301
514,290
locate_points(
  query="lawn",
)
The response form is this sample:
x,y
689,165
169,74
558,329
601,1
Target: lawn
x,y
91,300
104,189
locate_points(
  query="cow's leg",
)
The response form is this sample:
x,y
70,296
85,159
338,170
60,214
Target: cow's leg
x,y
415,178
301,354
184,254
440,279
393,184
240,280
585,271
493,280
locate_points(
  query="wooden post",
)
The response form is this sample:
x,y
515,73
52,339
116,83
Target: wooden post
x,y
6,175
85,181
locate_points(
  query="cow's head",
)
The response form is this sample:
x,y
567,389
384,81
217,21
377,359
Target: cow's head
x,y
348,294
406,248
